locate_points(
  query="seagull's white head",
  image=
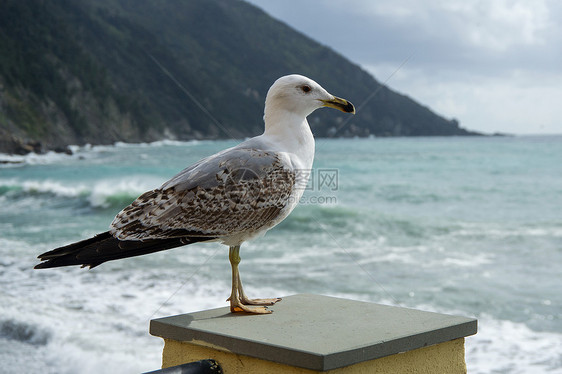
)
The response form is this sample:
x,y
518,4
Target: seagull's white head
x,y
301,96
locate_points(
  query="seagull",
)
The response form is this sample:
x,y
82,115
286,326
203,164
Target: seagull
x,y
232,196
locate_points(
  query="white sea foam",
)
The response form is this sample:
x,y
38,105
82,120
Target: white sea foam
x,y
458,259
81,151
510,347
11,160
103,191
100,194
118,305
54,187
33,159
488,230
158,143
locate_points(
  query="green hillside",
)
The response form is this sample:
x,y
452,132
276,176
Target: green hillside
x,y
85,71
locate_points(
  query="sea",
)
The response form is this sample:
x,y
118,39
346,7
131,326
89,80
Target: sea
x,y
469,226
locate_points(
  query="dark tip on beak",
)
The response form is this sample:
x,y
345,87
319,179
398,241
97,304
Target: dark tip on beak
x,y
349,108
340,104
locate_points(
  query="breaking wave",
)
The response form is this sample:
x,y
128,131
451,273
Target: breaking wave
x,y
103,194
82,151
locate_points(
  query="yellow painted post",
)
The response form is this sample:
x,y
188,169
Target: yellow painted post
x,y
319,334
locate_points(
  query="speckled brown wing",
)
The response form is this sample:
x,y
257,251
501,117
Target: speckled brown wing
x,y
232,192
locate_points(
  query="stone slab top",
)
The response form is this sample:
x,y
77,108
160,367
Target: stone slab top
x,y
316,332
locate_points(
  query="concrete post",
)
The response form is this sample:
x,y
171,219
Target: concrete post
x,y
319,334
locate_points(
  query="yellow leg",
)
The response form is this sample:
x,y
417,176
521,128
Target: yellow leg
x,y
239,302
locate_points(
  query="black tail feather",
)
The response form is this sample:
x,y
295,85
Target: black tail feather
x,y
104,247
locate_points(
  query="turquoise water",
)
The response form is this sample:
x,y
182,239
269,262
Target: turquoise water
x,y
468,226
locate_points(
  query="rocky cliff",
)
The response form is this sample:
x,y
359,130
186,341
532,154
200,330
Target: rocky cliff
x,y
86,71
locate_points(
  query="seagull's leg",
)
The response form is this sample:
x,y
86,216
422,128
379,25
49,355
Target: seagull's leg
x,y
236,304
246,300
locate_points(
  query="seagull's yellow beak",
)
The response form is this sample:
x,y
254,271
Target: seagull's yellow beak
x,y
340,104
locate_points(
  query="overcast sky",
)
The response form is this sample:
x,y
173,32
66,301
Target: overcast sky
x,y
494,65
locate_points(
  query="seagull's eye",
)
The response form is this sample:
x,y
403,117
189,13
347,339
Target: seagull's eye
x,y
306,88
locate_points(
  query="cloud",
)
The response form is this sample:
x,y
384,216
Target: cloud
x,y
456,30
496,25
